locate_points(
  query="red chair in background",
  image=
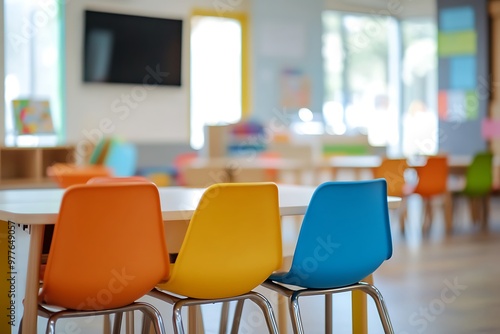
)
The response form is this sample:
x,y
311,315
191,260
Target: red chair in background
x,y
432,182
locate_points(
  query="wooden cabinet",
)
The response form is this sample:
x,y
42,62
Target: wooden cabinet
x,y
26,167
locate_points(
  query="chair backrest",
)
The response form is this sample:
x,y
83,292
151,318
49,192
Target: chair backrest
x,y
108,248
112,179
432,177
68,174
479,175
392,170
233,242
121,157
179,161
345,235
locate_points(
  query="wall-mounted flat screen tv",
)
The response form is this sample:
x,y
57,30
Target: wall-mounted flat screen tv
x,y
132,49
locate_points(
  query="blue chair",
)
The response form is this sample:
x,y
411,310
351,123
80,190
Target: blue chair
x,y
345,236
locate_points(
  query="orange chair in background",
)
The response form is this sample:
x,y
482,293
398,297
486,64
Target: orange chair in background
x,y
179,162
66,175
111,157
123,224
432,182
111,179
392,170
270,174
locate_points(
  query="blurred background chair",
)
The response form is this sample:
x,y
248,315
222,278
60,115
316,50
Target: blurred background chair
x,y
393,171
110,157
432,182
123,224
179,162
233,243
345,236
478,187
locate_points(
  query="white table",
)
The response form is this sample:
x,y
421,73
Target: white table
x,y
39,207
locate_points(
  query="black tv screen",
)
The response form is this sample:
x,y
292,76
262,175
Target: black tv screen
x,y
132,49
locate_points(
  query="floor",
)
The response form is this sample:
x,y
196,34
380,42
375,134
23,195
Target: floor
x,y
436,284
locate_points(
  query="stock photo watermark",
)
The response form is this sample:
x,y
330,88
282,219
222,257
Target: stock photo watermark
x,y
421,319
11,274
119,280
122,108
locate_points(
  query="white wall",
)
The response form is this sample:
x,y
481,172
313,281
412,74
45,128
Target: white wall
x,y
157,115
162,115
286,35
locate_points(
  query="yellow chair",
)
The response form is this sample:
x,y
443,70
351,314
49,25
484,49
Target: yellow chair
x,y
233,243
108,250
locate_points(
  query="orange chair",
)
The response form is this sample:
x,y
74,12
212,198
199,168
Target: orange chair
x,y
128,255
110,157
112,179
66,175
392,170
179,161
432,182
271,174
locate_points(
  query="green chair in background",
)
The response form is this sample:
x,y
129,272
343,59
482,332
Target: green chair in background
x,y
478,187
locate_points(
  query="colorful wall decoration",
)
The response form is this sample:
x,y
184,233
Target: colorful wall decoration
x,y
463,58
457,44
32,117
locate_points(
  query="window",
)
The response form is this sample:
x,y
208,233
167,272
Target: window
x,y
217,64
33,62
377,68
360,96
419,77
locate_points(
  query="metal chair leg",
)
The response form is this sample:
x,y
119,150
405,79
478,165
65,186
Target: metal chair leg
x,y
382,309
117,323
177,319
267,309
224,314
155,317
294,309
237,317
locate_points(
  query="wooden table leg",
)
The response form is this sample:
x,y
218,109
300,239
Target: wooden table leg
x,y
107,324
32,280
129,327
282,314
195,320
359,310
448,212
328,314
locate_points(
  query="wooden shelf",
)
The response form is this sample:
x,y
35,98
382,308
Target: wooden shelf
x,y
26,167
